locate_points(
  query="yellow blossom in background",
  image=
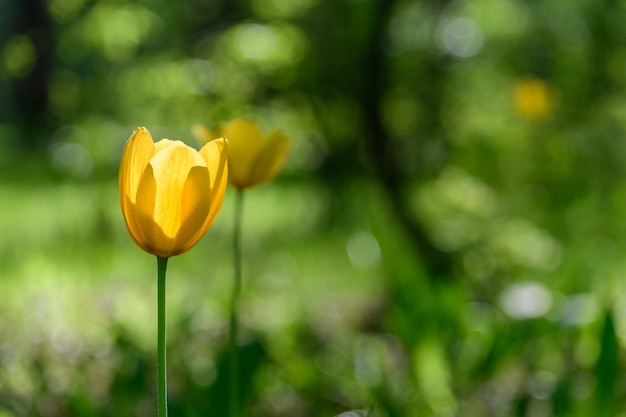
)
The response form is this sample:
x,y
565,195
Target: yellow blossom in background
x,y
171,193
253,158
533,98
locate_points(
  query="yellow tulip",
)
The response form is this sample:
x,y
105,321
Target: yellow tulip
x,y
252,158
533,98
170,193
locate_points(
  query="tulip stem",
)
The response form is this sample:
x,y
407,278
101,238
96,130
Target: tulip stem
x,y
161,369
234,354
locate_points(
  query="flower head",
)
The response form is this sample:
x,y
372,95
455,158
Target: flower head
x,y
253,158
170,193
533,99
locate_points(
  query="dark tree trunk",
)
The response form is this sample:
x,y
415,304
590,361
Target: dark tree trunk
x,y
438,263
28,95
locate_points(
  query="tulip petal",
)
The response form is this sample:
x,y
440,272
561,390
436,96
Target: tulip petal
x,y
155,241
215,154
270,161
171,169
218,192
195,206
138,151
133,224
245,142
136,155
166,143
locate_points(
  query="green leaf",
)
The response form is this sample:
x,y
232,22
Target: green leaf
x,y
606,369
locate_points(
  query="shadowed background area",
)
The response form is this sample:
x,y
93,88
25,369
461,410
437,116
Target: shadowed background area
x,y
446,238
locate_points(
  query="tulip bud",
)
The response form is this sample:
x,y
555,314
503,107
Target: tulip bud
x,y
170,193
253,158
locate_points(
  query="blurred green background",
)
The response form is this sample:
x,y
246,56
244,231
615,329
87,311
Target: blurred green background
x,y
446,239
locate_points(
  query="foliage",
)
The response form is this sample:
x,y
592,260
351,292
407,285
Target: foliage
x,y
444,240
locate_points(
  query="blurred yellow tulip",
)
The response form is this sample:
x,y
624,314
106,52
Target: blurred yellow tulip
x,y
253,158
533,98
170,193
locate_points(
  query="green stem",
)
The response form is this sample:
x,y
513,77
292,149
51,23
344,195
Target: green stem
x,y
161,369
234,354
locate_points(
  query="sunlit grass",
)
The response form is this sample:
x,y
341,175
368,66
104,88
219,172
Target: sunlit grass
x,y
72,280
